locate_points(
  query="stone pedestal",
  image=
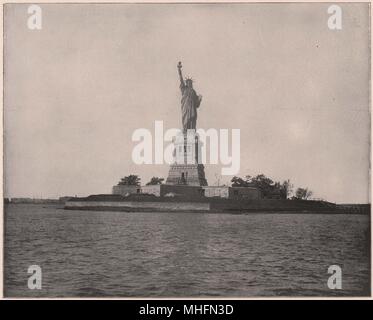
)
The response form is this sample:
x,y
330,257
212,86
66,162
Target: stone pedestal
x,y
187,169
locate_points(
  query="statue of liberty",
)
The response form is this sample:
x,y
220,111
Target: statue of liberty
x,y
190,101
187,168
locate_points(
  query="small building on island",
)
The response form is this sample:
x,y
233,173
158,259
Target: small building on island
x,y
248,193
123,190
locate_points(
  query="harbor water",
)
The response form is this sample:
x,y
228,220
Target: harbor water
x,y
144,254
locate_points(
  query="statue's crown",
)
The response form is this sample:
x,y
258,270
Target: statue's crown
x,y
189,79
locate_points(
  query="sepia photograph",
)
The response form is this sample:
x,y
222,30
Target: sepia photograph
x,y
187,150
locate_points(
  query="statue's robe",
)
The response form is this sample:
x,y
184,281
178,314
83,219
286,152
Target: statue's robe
x,y
189,104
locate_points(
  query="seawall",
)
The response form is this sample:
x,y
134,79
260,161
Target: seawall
x,y
203,204
139,206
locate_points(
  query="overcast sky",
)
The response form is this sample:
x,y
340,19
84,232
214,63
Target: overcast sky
x,y
77,89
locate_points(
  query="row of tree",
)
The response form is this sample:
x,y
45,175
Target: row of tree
x,y
268,187
134,180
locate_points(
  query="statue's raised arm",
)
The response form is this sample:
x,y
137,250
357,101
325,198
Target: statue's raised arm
x,y
179,66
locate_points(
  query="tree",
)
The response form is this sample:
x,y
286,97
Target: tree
x,y
303,193
155,181
267,186
238,182
131,180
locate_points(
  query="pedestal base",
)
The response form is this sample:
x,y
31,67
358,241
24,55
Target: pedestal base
x,y
187,174
187,170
